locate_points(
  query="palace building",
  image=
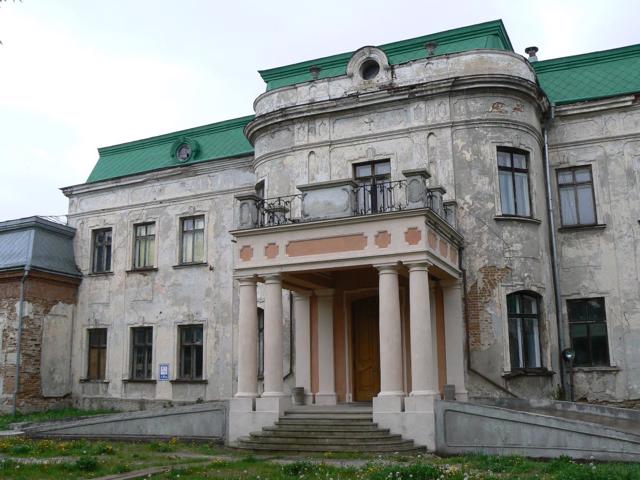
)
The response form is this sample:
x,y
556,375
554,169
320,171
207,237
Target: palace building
x,y
437,217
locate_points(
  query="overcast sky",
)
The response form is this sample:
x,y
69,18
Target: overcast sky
x,y
78,74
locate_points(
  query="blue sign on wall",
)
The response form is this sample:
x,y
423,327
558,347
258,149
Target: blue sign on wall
x,y
164,371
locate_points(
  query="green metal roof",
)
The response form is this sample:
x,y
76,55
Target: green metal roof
x,y
590,76
491,35
215,141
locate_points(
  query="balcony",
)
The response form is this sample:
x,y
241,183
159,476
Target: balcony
x,y
346,198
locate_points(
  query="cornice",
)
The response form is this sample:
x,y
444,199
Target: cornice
x,y
393,93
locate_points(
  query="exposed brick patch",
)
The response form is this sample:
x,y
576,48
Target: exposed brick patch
x,y
480,294
413,235
246,253
271,250
382,239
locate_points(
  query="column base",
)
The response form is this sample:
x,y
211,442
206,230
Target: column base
x,y
273,404
326,399
388,402
412,417
420,402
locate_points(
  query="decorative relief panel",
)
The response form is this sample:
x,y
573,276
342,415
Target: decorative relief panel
x,y
319,246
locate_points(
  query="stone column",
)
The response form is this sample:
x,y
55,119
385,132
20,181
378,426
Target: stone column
x,y
273,383
326,370
301,315
423,381
247,339
454,337
390,332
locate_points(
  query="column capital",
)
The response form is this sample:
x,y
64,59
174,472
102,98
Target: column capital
x,y
324,292
386,267
422,265
301,295
247,281
272,278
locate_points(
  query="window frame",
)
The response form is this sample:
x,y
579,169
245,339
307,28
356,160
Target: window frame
x,y
192,232
104,245
199,346
374,194
588,324
93,344
512,171
148,238
519,317
147,345
574,186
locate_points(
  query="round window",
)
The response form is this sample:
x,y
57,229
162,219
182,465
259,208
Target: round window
x,y
369,70
183,152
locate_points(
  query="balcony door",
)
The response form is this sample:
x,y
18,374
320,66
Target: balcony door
x,y
374,193
366,349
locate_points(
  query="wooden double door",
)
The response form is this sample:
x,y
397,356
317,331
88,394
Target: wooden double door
x,y
366,349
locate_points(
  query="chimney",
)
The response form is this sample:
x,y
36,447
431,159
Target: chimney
x,y
531,51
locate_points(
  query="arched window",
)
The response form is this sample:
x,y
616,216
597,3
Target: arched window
x,y
524,330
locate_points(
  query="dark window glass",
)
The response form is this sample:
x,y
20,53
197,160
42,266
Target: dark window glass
x,y
524,330
101,250
513,178
260,342
97,353
144,248
142,352
588,329
192,243
374,193
190,352
577,200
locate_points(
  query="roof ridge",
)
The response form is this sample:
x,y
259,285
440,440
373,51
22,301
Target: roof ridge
x,y
590,58
156,139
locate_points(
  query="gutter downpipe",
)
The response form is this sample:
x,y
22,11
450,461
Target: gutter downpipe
x,y
27,269
562,341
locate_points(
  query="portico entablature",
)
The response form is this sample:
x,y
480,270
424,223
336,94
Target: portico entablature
x,y
404,236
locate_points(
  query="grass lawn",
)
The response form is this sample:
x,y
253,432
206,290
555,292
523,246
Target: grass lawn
x,y
64,413
22,458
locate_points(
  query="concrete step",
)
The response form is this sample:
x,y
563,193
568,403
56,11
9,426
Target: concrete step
x,y
312,410
304,427
391,441
280,432
330,416
259,446
323,421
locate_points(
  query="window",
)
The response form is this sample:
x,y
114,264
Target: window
x,y
260,342
588,330
514,182
97,353
192,243
191,352
141,352
374,193
524,330
577,201
144,248
101,250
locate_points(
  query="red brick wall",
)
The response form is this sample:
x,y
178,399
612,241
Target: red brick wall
x,y
480,293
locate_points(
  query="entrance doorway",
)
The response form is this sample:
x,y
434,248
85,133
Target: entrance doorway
x,y
366,349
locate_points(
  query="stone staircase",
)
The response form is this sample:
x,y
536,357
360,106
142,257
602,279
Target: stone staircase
x,y
327,429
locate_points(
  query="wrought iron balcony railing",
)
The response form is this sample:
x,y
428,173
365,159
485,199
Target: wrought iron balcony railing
x,y
344,199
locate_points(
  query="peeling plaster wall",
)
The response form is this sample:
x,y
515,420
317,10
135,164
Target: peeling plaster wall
x,y
164,298
454,133
605,261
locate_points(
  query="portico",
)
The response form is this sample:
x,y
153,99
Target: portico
x,y
377,311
